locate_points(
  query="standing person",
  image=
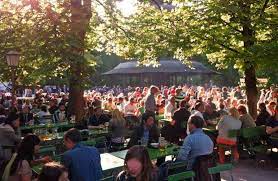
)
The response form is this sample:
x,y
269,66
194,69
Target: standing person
x,y
117,126
82,162
150,104
195,144
138,166
227,123
53,172
25,117
8,134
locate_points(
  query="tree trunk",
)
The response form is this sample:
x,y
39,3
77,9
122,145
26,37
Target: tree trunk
x,y
249,66
251,90
80,18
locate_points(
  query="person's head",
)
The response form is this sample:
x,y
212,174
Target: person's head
x,y
138,163
52,102
148,120
72,137
195,122
183,103
262,107
132,100
53,171
13,120
242,109
62,107
272,105
153,89
234,112
26,150
44,108
98,111
199,106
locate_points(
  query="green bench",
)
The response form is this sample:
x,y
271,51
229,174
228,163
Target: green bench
x,y
182,176
221,168
252,139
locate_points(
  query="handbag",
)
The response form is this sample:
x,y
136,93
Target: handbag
x,y
7,170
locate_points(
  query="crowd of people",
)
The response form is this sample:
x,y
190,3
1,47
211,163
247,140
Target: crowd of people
x,y
138,110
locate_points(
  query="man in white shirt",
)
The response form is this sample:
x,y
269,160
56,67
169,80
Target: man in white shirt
x,y
130,109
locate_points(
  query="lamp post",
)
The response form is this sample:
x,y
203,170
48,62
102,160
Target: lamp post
x,y
12,61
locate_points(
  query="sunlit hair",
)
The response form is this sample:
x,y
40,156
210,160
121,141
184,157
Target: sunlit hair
x,y
141,154
234,112
117,117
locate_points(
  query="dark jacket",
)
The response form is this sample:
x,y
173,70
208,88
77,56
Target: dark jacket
x,y
181,117
138,134
262,118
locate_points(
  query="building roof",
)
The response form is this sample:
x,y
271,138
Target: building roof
x,y
166,66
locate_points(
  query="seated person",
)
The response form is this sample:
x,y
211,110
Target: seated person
x,y
109,105
209,114
177,128
42,114
98,119
82,162
21,168
117,126
60,115
195,144
25,117
245,118
272,126
146,133
227,123
263,115
130,108
138,166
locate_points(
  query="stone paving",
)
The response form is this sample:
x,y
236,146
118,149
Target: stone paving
x,y
253,170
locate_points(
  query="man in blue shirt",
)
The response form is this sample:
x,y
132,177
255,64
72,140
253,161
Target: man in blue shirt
x,y
195,144
82,162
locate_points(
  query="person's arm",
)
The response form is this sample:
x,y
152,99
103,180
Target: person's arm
x,y
66,161
220,124
185,149
270,130
98,167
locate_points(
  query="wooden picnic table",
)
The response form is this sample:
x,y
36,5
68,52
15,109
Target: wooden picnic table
x,y
153,152
48,126
109,164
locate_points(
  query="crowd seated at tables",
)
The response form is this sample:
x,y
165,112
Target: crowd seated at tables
x,y
177,113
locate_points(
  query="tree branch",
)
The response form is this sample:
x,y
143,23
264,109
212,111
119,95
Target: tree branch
x,y
228,24
263,8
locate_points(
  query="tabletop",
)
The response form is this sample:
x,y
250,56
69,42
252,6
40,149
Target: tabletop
x,y
153,152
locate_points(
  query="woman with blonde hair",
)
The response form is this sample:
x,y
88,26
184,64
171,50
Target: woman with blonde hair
x,y
117,126
226,124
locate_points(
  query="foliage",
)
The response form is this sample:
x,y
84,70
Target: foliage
x,y
40,31
211,27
